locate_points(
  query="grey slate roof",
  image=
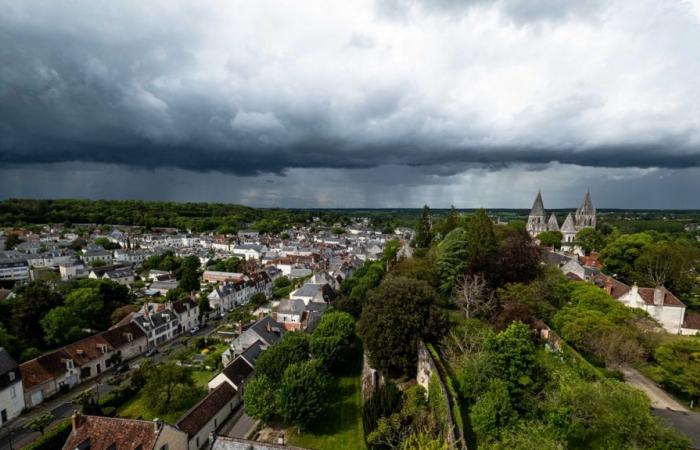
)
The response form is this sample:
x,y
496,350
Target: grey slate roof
x,y
251,353
6,362
261,329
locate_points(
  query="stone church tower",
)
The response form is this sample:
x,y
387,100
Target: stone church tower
x,y
536,221
585,215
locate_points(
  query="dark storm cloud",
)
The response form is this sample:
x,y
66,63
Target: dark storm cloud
x,y
174,85
519,11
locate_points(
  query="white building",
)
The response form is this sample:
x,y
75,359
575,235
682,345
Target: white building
x,y
11,390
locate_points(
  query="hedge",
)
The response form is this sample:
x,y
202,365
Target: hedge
x,y
53,438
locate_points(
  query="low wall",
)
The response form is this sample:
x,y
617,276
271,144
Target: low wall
x,y
427,369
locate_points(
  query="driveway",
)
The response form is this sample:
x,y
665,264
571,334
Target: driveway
x,y
660,399
666,407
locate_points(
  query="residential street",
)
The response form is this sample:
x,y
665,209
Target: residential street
x,y
62,407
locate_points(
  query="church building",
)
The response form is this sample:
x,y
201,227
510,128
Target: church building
x,y
585,217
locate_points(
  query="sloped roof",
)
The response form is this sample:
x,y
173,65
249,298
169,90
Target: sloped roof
x,y
106,433
204,411
238,370
251,353
117,336
568,225
647,294
538,206
6,362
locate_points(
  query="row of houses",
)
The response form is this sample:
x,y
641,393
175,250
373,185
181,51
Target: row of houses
x,y
60,370
197,428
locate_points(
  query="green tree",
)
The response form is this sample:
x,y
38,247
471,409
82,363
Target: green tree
x,y
452,260
550,239
605,415
282,282
398,313
292,348
449,223
424,235
40,422
518,259
33,301
492,412
679,363
62,326
12,240
259,398
513,357
166,384
620,254
303,393
668,264
483,245
189,274
589,239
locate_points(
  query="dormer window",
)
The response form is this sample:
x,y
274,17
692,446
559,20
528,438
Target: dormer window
x,y
11,376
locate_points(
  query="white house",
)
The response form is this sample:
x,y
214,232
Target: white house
x,y
660,303
11,390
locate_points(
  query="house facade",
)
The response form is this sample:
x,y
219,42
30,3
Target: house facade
x,y
11,390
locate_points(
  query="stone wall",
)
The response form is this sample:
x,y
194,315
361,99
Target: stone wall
x,y
371,379
425,371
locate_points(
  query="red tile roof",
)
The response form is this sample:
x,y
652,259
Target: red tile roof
x,y
107,432
647,294
207,409
692,320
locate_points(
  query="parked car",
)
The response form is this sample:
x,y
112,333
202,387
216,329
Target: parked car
x,y
150,352
122,368
194,330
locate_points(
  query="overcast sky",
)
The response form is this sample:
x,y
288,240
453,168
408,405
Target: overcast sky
x,y
386,103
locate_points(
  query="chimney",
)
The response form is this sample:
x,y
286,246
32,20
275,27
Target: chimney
x,y
608,285
269,328
659,295
76,420
157,425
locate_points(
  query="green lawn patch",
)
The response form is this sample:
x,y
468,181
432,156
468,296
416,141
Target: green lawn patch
x,y
341,426
137,408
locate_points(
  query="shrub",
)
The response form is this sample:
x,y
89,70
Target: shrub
x,y
52,438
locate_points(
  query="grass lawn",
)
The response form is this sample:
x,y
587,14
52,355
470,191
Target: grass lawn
x,y
202,377
341,427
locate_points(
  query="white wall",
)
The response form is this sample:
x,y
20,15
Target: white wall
x,y
12,400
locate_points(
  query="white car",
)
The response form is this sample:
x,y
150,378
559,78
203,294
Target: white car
x,y
193,330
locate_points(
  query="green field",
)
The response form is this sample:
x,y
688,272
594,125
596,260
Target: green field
x,y
341,426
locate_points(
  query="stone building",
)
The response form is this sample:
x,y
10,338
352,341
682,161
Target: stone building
x,y
585,217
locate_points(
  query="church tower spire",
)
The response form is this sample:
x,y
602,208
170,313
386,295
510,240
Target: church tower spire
x,y
537,221
586,214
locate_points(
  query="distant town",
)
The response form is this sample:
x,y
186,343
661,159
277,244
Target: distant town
x,y
338,329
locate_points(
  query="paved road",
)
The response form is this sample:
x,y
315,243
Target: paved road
x,y
666,407
62,407
239,425
660,399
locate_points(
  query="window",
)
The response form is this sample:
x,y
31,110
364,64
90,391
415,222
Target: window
x,y
13,392
12,376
